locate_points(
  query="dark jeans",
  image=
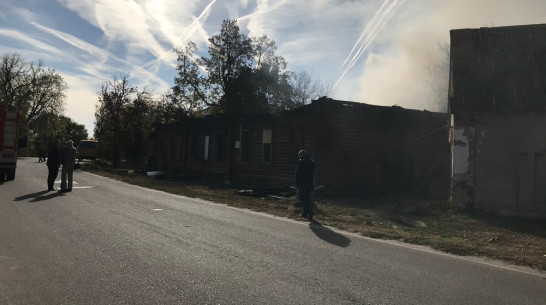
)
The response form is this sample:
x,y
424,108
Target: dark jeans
x,y
305,199
53,172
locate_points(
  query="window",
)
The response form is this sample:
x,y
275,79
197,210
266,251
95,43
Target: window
x,y
177,148
194,147
181,149
219,147
266,145
206,150
163,148
172,148
245,146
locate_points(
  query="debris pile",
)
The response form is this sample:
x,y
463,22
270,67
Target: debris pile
x,y
271,193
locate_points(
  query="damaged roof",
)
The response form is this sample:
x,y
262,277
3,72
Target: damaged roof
x,y
498,69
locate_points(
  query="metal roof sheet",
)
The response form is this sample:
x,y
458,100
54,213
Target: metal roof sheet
x,y
500,69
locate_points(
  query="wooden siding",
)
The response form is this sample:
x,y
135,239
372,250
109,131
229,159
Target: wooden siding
x,y
284,149
372,149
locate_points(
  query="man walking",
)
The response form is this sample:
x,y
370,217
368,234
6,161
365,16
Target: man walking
x,y
53,164
304,182
42,153
68,159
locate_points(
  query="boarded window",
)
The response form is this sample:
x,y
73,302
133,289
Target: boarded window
x,y
266,145
181,150
173,155
219,147
163,146
194,147
245,146
177,148
206,150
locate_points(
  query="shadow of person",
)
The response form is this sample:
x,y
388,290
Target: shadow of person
x,y
28,196
46,197
328,235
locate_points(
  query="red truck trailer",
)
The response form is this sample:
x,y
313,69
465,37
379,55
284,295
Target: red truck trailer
x,y
9,143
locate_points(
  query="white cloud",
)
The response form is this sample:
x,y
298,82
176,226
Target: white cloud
x,y
37,44
82,99
397,72
385,61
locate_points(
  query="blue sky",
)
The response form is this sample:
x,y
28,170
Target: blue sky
x,y
372,51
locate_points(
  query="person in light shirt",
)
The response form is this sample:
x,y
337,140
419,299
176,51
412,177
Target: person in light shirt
x,y
68,159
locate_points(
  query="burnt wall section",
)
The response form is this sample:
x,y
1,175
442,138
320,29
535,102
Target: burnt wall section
x,y
384,150
372,150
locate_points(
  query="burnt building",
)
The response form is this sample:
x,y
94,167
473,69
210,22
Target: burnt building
x,y
358,147
497,99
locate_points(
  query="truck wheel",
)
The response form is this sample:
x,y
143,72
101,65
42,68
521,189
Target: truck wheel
x,y
2,175
10,174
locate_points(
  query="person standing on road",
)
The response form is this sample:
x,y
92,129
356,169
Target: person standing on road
x,y
68,159
42,153
305,172
53,164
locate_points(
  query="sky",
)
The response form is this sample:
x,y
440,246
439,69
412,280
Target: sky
x,y
380,52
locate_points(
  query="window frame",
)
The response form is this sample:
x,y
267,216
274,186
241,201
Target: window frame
x,y
244,151
220,147
206,148
267,145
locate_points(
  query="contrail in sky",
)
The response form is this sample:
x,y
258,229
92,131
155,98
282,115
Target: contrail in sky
x,y
183,38
196,21
366,29
378,21
377,26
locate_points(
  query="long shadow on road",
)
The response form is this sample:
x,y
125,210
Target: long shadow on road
x,y
38,196
328,235
46,197
28,196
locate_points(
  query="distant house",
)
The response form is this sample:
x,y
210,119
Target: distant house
x,y
358,147
497,97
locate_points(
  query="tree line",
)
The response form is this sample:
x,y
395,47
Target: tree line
x,y
241,74
38,94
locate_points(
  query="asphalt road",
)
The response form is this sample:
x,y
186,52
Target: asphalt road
x,y
107,242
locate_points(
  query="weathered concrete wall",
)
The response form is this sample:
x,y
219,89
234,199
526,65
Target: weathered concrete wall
x,y
506,168
460,152
462,173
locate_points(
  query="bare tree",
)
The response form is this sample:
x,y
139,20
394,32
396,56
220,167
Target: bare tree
x,y
306,89
15,81
30,87
47,95
114,97
241,74
191,87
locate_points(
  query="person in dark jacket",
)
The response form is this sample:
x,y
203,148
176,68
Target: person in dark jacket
x,y
42,154
53,163
305,172
68,159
